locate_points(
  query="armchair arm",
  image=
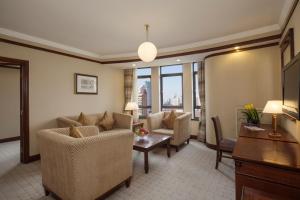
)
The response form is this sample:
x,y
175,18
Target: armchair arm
x,y
154,121
182,127
56,162
123,120
63,122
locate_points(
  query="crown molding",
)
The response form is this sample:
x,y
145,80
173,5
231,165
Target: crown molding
x,y
287,7
32,40
274,29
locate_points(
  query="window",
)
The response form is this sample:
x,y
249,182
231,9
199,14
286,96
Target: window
x,y
144,91
171,88
196,99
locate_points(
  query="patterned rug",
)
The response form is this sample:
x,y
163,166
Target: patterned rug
x,y
188,175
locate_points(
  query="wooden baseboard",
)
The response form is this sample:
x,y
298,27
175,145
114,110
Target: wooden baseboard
x,y
211,146
194,137
34,158
10,139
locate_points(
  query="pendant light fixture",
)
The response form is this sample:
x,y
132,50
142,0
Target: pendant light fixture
x,y
147,50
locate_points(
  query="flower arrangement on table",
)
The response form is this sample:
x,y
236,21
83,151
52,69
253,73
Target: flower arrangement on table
x,y
251,114
141,132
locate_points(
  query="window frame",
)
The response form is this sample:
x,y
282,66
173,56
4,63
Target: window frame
x,y
142,77
161,87
195,107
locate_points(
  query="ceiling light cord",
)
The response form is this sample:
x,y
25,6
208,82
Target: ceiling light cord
x,y
147,32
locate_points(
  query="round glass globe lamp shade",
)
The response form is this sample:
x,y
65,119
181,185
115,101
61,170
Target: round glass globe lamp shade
x,y
147,51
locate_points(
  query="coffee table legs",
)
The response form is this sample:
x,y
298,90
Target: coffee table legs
x,y
168,149
146,162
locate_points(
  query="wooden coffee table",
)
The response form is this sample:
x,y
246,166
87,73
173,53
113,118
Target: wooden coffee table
x,y
152,141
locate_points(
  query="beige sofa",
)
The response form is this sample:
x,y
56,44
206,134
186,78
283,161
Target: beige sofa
x,y
122,121
84,168
181,132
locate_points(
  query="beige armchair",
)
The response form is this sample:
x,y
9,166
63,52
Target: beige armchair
x,y
84,168
122,121
181,132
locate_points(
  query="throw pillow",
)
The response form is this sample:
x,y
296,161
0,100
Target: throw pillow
x,y
75,132
84,120
168,121
106,123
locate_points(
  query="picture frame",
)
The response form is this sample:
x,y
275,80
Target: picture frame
x,y
86,84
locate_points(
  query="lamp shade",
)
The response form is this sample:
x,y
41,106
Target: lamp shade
x,y
131,106
147,51
273,107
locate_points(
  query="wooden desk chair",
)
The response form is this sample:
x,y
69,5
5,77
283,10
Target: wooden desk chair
x,y
223,145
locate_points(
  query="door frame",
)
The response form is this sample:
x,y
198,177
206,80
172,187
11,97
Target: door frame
x,y
24,103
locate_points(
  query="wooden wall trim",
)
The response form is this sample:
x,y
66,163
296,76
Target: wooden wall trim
x,y
9,67
194,137
211,146
10,139
47,50
242,49
217,48
24,105
232,45
34,158
290,15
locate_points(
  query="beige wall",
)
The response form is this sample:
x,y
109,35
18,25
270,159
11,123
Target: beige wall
x,y
233,80
10,102
155,88
51,87
294,126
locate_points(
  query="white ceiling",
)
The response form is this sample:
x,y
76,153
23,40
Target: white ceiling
x,y
115,28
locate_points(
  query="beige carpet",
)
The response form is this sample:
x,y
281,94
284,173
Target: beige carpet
x,y
187,175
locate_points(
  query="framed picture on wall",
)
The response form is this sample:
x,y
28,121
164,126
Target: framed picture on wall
x,y
86,84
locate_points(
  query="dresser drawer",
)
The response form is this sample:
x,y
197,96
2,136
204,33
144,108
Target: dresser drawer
x,y
268,173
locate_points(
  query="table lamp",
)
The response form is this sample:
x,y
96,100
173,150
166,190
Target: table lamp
x,y
131,106
274,107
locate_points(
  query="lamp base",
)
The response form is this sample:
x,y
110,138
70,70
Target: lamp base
x,y
274,135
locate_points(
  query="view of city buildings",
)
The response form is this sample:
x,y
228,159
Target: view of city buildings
x,y
171,86
173,101
144,96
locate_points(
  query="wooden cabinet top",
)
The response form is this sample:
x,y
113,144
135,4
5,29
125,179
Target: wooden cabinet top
x,y
259,149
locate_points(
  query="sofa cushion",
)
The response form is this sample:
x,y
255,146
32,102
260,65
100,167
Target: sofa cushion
x,y
106,123
168,120
75,132
85,120
164,131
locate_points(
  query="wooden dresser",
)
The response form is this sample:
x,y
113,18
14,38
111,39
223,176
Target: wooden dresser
x,y
267,164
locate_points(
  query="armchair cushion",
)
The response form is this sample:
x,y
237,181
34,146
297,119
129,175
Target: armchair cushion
x,y
168,121
75,132
85,120
106,123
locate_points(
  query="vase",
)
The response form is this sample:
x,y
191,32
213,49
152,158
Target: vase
x,y
253,123
141,139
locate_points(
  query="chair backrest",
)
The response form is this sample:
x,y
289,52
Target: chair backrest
x,y
218,130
